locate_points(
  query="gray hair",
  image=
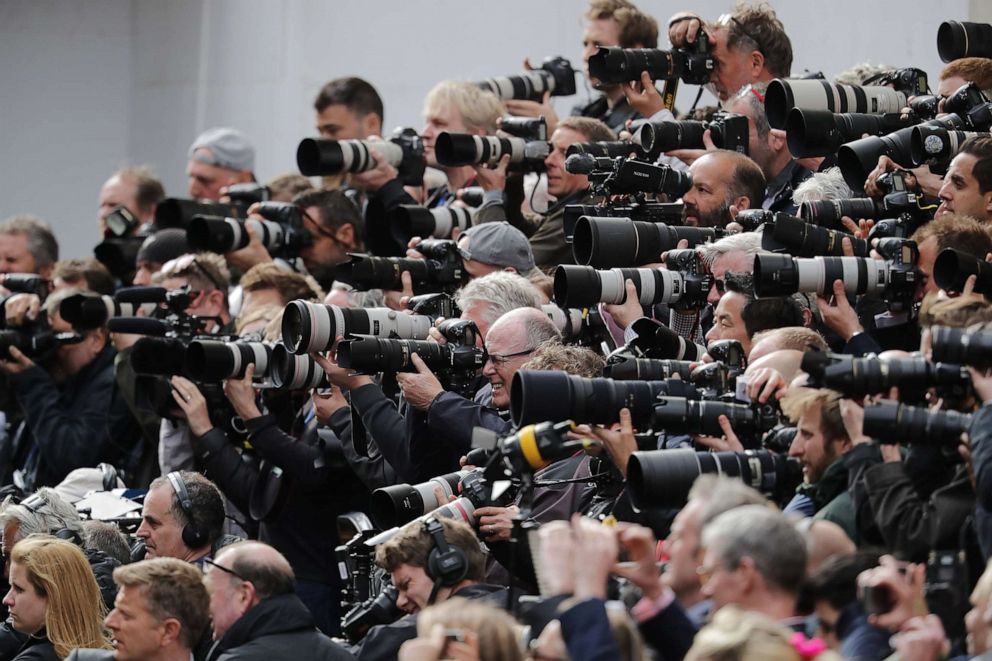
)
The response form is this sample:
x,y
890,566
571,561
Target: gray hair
x,y
107,538
747,242
755,107
41,240
826,185
859,73
720,494
502,291
47,517
540,329
765,536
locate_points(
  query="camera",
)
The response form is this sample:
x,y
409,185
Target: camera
x,y
783,95
119,248
958,346
651,212
624,367
895,279
281,232
585,327
935,146
404,151
654,340
85,312
35,339
616,242
410,220
457,149
894,423
380,609
727,130
178,212
556,75
308,327
624,176
213,360
813,133
693,65
294,372
441,270
609,149
788,234
401,503
957,39
898,201
857,377
684,285
663,478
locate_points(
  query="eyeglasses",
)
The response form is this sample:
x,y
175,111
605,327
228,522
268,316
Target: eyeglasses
x,y
226,570
725,21
321,230
185,264
499,360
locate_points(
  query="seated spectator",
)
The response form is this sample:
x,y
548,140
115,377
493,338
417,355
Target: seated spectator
x,y
182,517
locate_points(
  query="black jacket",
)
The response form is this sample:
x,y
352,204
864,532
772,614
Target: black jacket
x,y
37,648
278,628
91,655
72,425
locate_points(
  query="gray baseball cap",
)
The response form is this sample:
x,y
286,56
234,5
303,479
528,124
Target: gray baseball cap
x,y
229,148
500,244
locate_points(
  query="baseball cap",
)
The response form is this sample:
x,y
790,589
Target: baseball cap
x,y
229,148
499,244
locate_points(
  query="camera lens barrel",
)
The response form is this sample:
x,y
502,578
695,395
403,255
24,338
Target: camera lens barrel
x,y
401,503
813,133
410,220
858,158
958,346
318,157
525,86
952,268
606,242
584,286
802,239
828,213
294,372
372,355
957,39
457,149
628,368
158,356
936,144
620,65
658,137
210,360
893,423
783,95
782,275
223,235
308,327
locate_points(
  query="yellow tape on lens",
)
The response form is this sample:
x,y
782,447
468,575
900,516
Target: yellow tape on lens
x,y
528,446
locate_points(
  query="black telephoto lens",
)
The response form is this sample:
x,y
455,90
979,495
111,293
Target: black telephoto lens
x,y
828,213
619,65
813,133
799,238
159,356
958,346
617,242
957,39
952,268
894,424
628,368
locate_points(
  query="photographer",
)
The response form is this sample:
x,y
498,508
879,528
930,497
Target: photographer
x,y
72,415
348,109
739,315
27,245
138,190
546,231
748,46
962,71
723,183
218,158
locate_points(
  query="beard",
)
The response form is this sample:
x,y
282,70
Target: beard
x,y
719,217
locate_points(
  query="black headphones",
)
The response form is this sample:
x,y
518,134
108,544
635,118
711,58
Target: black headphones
x,y
193,536
446,565
34,504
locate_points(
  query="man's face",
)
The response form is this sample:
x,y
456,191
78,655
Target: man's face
x,y
227,596
205,180
706,203
561,183
27,607
162,535
603,32
811,447
928,255
735,261
328,247
724,585
960,193
414,587
144,272
438,119
732,69
501,342
116,192
136,633
15,256
727,321
260,297
947,87
336,122
475,268
684,552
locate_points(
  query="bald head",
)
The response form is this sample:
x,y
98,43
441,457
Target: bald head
x,y
265,567
824,540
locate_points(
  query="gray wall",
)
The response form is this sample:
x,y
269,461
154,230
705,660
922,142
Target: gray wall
x,y
88,86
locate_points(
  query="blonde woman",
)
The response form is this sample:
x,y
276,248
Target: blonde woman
x,y
739,635
54,599
464,630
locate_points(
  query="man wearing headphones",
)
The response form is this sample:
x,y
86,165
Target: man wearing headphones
x,y
429,561
182,517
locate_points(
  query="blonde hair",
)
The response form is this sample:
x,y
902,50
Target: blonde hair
x,y
479,109
499,638
739,635
59,571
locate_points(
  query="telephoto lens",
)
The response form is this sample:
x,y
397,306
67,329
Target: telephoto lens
x,y
654,340
627,368
556,75
441,269
319,158
663,478
957,39
857,377
537,396
372,355
409,220
828,213
223,235
293,372
159,356
178,212
654,212
895,424
679,415
616,242
937,145
308,327
782,275
952,268
621,65
958,346
85,312
584,286
814,133
212,360
727,131
401,503
783,95
788,234
458,149
607,149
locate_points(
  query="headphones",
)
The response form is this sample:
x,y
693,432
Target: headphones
x,y
446,565
193,536
34,504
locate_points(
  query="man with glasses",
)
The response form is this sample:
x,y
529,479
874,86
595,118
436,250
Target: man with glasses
x,y
255,612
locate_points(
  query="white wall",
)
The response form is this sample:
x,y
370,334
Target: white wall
x,y
87,86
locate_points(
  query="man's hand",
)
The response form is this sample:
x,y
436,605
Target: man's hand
x,y
596,547
397,300
496,523
765,383
193,405
619,443
921,639
839,316
241,394
630,310
683,28
557,557
374,179
20,308
905,591
853,415
327,405
420,388
492,178
639,544
339,376
253,253
860,230
643,96
687,156
525,108
728,443
17,362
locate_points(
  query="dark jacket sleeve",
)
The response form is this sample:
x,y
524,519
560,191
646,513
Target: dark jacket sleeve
x,y
862,344
66,437
670,632
509,210
452,418
586,630
225,466
386,426
911,526
981,454
301,461
371,467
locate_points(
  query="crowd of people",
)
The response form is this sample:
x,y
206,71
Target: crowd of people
x,y
390,409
